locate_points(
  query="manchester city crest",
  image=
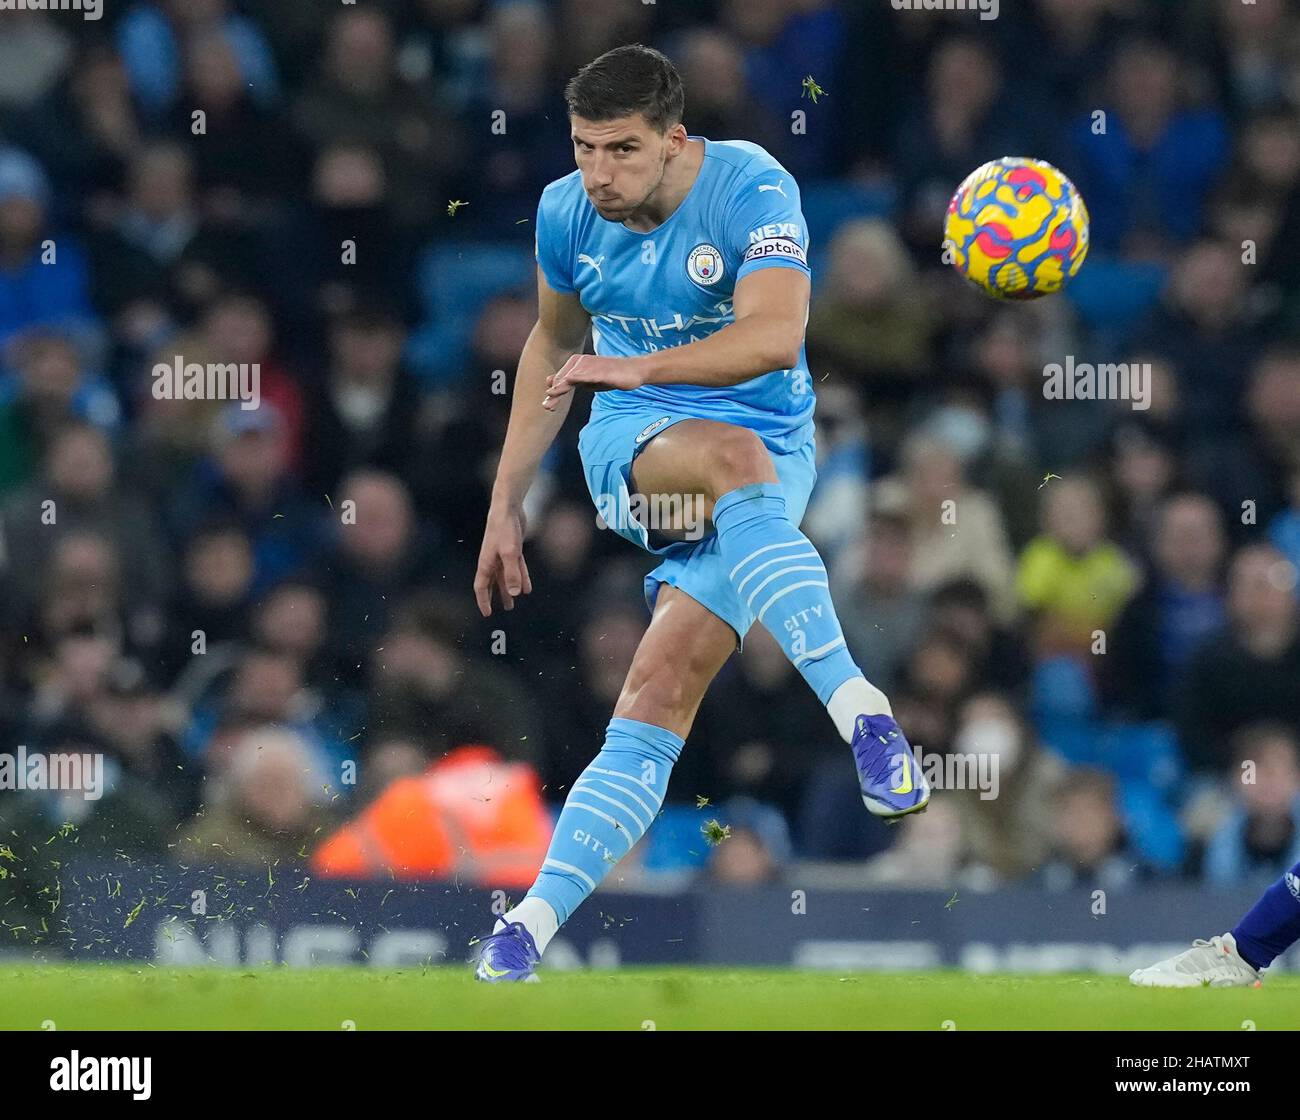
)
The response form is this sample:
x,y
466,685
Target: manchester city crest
x,y
704,265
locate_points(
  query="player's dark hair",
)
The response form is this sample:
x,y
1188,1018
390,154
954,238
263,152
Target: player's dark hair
x,y
629,79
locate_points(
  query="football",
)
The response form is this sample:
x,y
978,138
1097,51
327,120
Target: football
x,y
1016,229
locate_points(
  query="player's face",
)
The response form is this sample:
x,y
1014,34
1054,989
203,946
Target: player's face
x,y
622,162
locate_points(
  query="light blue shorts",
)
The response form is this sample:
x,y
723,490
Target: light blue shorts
x,y
610,444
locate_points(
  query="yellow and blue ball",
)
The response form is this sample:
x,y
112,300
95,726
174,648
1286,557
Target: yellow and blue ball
x,y
1017,229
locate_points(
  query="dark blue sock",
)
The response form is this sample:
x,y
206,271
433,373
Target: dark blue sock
x,y
1272,925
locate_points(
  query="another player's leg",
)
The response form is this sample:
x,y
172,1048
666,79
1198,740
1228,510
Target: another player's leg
x,y
619,794
780,579
1236,959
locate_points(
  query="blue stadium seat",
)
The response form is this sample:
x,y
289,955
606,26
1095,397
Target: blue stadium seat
x,y
828,204
455,280
1112,297
675,842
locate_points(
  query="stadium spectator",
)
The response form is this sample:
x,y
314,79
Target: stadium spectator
x,y
1246,470
1250,52
34,54
1089,849
1180,607
262,811
244,156
208,617
1261,836
834,515
1030,435
999,657
1250,671
1148,165
1072,578
79,478
365,412
81,590
1144,469
757,847
247,481
956,531
132,719
70,679
378,558
291,620
424,683
269,687
588,691
1006,822
520,93
83,131
44,280
1206,326
471,816
712,66
361,96
956,118
881,612
152,39
927,854
51,388
352,257
764,733
565,555
874,324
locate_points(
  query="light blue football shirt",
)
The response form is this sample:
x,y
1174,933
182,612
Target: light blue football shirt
x,y
674,285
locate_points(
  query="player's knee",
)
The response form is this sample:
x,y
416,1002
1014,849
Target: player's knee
x,y
738,458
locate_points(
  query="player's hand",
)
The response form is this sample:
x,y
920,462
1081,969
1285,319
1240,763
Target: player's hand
x,y
594,371
501,559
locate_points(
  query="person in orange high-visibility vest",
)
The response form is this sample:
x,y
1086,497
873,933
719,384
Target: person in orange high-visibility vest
x,y
471,815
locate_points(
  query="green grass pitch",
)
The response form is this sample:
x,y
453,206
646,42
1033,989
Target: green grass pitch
x,y
112,997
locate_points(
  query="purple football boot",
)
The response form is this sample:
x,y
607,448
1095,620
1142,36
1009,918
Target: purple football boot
x,y
891,781
508,955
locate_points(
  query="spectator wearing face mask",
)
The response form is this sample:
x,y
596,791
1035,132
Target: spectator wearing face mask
x,y
1006,825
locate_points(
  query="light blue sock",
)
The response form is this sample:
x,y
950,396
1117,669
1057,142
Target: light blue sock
x,y
780,577
608,810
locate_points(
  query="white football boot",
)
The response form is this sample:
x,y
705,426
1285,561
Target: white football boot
x,y
1207,964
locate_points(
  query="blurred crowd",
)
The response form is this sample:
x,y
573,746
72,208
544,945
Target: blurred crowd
x,y
263,620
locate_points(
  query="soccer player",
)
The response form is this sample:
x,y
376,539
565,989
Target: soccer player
x,y
687,259
1236,959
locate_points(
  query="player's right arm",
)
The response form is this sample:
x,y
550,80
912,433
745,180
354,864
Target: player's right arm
x,y
560,332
